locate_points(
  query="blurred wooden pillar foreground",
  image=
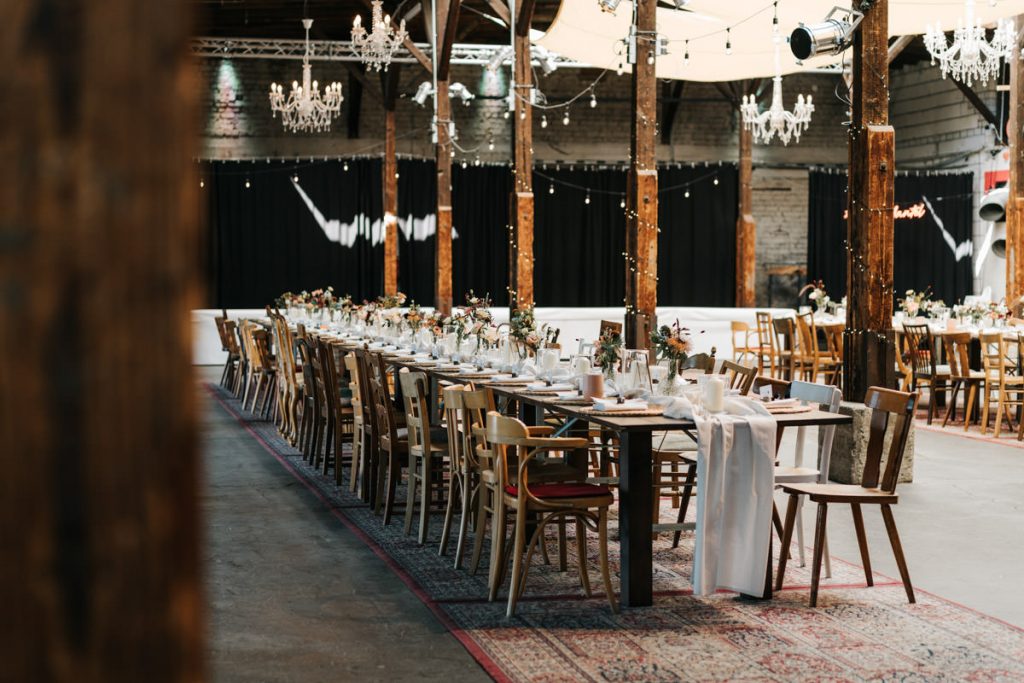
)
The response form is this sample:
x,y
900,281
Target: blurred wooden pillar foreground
x,y
98,271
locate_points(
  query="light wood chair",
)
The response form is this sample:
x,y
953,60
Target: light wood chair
x,y
1008,388
812,359
834,344
290,383
829,399
465,417
885,404
904,370
393,450
766,343
741,341
358,422
369,452
927,372
957,346
427,454
586,504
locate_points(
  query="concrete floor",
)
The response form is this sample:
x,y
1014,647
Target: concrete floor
x,y
295,596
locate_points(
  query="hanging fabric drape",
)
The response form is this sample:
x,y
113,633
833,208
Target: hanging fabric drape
x,y
932,237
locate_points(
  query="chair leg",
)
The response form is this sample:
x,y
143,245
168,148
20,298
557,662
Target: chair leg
x,y
972,392
410,496
801,551
426,488
691,475
787,537
897,550
563,560
497,545
862,541
581,556
951,407
518,568
394,475
480,527
819,545
466,491
602,545
454,482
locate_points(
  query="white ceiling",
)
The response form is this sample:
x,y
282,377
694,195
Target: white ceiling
x,y
583,32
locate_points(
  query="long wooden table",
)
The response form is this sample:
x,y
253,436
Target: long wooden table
x,y
635,492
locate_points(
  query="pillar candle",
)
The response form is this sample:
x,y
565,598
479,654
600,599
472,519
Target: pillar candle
x,y
714,395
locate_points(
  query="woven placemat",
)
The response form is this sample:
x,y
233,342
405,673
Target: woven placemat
x,y
652,411
509,381
789,410
573,402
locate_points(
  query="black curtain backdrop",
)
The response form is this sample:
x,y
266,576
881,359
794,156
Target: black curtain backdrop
x,y
922,256
264,239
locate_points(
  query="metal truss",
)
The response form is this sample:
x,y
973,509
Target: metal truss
x,y
341,51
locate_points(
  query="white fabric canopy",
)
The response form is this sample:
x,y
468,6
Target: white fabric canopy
x,y
583,32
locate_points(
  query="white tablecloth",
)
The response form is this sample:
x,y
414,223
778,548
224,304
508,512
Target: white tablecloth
x,y
735,482
710,326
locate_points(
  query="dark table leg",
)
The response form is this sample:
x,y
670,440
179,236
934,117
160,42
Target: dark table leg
x,y
635,505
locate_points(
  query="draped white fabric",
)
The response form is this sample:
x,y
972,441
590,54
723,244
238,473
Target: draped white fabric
x,y
585,33
735,480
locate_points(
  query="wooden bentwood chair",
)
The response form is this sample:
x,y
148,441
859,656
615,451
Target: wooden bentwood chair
x,y
883,403
587,504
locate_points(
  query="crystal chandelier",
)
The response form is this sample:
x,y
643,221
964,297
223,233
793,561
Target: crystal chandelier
x,y
775,120
970,56
305,109
376,48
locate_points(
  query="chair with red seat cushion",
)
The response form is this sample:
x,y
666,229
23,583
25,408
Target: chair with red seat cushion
x,y
586,504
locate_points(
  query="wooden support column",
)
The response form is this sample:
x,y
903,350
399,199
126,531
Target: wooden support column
x,y
869,352
642,190
443,241
389,87
520,269
1015,199
99,234
746,228
447,23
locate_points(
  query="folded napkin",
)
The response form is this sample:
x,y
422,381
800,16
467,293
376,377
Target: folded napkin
x,y
542,386
567,394
500,376
604,404
679,408
741,407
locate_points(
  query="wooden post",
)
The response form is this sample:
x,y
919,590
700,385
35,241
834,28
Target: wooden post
x,y
1015,198
520,272
98,242
869,352
443,265
642,190
746,228
389,88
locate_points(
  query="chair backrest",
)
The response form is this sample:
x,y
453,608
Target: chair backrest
x,y
329,376
785,334
260,347
503,432
920,348
834,340
780,387
230,337
352,365
245,343
311,371
886,403
765,338
742,329
829,398
957,346
417,411
387,425
366,391
219,321
993,356
460,435
739,376
808,342
698,361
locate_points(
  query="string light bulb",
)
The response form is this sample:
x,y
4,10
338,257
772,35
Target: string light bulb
x,y
551,188
593,100
344,167
463,163
201,183
687,194
247,184
543,121
565,119
490,144
295,178
728,41
522,114
505,115
622,203
650,57
587,199
716,180
686,54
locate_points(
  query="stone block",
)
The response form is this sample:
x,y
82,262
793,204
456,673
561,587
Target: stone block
x,y
849,448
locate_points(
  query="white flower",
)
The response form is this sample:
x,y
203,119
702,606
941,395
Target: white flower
x,y
814,295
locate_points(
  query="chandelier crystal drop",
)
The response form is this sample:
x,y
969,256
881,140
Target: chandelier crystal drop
x,y
305,109
971,56
376,48
776,121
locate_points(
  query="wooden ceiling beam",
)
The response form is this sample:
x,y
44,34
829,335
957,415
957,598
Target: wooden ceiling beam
x,y
501,9
980,106
898,46
448,21
524,17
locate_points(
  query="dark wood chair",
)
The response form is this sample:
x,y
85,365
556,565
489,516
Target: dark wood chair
x,y
610,326
885,404
340,416
393,448
926,372
368,451
780,387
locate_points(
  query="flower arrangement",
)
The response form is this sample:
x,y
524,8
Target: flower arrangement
x,y
435,322
321,298
396,300
673,344
607,350
413,317
816,295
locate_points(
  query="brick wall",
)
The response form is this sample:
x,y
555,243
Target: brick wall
x,y
934,125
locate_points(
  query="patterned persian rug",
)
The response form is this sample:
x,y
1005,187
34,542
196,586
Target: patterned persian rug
x,y
856,633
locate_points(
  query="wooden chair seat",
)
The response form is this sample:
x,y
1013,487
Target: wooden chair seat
x,y
842,493
582,493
